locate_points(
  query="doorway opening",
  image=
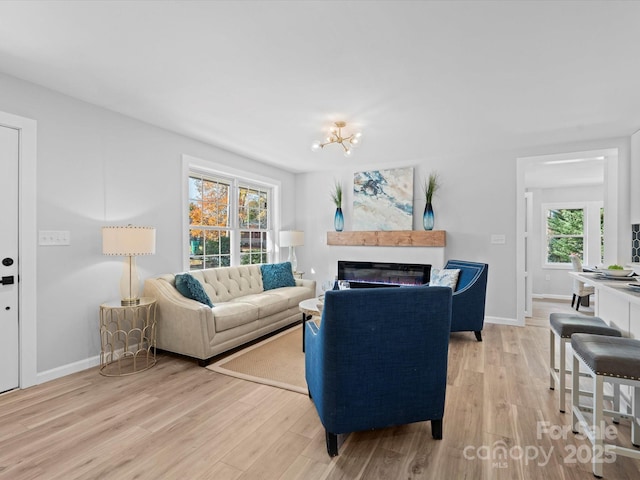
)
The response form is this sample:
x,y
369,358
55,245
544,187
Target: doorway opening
x,y
559,177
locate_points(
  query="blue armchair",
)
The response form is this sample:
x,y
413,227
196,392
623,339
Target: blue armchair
x,y
469,297
378,359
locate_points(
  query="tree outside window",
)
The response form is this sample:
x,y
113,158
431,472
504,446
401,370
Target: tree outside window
x,y
221,211
565,234
209,232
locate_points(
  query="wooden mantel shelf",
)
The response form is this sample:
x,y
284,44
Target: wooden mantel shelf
x,y
399,238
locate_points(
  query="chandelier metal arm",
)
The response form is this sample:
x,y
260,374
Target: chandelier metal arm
x,y
335,136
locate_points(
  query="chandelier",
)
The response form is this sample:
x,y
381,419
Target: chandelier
x,y
347,142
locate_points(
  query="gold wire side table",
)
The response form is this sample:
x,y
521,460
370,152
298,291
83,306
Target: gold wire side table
x,y
127,337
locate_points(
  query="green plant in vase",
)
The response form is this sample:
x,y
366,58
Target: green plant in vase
x,y
336,197
431,186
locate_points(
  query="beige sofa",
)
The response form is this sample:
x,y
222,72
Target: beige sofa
x,y
242,311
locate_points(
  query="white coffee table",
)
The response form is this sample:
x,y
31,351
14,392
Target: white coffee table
x,y
309,309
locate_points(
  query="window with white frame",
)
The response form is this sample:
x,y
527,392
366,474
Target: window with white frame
x,y
573,229
229,221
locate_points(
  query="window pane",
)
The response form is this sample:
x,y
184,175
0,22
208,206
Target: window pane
x,y
560,249
196,263
196,247
243,221
565,222
245,241
195,188
252,208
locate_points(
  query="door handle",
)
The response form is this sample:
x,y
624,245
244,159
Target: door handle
x,y
7,280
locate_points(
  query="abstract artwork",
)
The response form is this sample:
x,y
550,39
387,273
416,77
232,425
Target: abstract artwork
x,y
383,199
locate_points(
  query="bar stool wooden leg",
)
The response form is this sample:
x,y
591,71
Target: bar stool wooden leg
x,y
563,375
616,401
552,359
597,452
575,395
635,418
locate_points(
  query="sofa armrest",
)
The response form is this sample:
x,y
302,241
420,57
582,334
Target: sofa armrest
x,y
183,325
310,284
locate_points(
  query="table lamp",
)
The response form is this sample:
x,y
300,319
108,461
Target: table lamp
x,y
129,242
292,239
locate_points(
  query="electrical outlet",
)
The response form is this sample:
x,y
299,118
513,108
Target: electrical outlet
x,y
54,237
547,277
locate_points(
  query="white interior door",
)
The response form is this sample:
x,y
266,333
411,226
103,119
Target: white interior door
x,y
9,351
528,255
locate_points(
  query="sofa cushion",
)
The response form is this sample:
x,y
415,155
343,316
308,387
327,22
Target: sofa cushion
x,y
277,275
292,295
445,278
266,303
233,314
190,287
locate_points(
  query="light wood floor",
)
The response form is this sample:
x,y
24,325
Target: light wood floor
x,y
181,421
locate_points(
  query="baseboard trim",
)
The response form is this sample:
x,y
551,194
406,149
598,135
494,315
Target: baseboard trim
x,y
68,369
503,321
550,296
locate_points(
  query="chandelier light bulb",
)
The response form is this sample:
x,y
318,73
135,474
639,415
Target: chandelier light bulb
x,y
315,146
348,153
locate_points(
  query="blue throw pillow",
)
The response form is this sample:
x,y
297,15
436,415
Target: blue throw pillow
x,y
276,275
191,288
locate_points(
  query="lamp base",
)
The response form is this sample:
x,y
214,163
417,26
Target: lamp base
x,y
293,259
128,302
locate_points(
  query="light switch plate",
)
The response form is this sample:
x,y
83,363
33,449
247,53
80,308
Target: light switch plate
x,y
498,239
54,237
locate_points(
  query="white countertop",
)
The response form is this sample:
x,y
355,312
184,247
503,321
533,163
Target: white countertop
x,y
618,287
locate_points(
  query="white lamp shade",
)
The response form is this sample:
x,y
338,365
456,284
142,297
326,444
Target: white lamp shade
x,y
291,238
128,241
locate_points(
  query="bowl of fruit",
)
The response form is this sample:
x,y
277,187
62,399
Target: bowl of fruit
x,y
616,271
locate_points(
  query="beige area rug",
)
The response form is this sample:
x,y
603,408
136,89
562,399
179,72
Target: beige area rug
x,y
277,361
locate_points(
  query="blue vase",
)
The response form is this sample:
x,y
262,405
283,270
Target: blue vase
x,y
338,220
428,218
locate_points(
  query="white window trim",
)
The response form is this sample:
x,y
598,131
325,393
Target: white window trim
x,y
193,164
591,227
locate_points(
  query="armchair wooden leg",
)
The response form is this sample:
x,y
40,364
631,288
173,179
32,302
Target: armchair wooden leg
x,y
478,335
332,443
573,300
436,429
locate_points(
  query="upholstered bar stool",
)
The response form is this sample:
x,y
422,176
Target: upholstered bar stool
x,y
563,325
606,359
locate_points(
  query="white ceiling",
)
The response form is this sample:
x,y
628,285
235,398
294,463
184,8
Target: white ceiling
x,y
265,78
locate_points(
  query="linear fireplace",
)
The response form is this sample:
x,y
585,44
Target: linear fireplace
x,y
382,274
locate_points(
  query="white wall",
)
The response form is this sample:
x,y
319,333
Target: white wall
x,y
96,168
559,283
